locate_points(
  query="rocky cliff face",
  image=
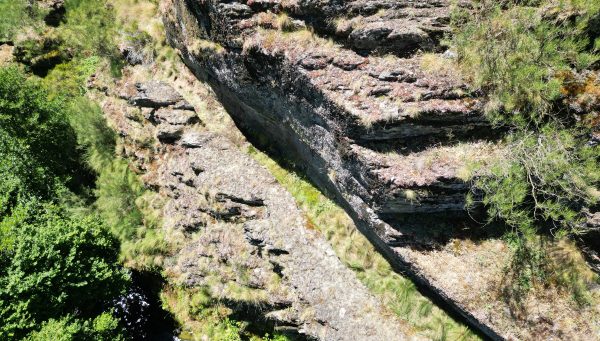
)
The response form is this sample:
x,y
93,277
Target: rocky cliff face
x,y
362,97
236,230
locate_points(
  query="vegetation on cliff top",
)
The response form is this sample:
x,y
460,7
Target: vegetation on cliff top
x,y
532,60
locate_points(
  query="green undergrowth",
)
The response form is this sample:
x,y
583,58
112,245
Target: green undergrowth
x,y
207,317
120,198
520,53
16,14
397,293
53,251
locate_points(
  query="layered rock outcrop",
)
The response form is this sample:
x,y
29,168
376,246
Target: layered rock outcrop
x,y
238,232
361,96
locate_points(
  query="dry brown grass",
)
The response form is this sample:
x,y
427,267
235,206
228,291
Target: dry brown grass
x,y
436,64
6,54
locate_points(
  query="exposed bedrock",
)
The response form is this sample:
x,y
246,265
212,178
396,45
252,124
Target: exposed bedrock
x,y
236,228
384,136
390,137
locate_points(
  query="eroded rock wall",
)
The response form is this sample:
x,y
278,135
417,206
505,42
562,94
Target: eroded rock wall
x,y
362,97
237,231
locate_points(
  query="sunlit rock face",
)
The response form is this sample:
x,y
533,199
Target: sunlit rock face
x,y
363,97
235,231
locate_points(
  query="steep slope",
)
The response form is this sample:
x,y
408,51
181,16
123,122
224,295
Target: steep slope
x,y
391,137
234,230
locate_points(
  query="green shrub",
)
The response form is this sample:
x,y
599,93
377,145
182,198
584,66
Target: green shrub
x,y
38,147
117,189
518,52
14,15
132,212
21,176
543,183
104,327
30,117
40,53
544,180
52,265
93,133
69,79
89,29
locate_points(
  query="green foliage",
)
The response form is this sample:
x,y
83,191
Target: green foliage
x,y
41,124
524,55
89,28
93,133
40,52
132,212
15,14
52,264
21,175
38,147
203,316
117,190
518,54
71,77
104,327
545,181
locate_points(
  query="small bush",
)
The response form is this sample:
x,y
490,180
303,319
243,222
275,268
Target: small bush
x,y
516,52
71,78
105,327
137,46
93,133
89,29
543,181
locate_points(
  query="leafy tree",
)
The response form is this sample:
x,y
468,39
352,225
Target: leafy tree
x,y
523,55
52,265
527,57
22,176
